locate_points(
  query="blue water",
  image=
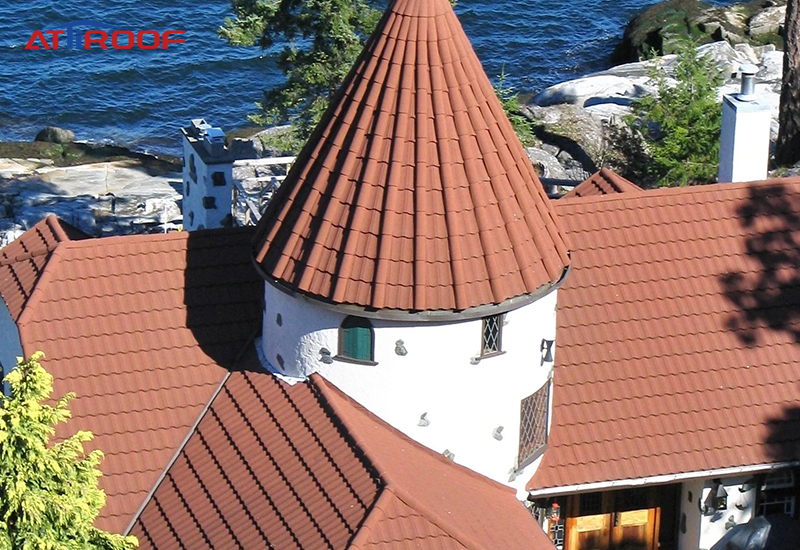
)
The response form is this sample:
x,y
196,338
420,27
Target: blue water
x,y
139,98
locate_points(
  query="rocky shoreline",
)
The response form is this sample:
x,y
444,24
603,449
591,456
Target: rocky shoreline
x,y
106,190
578,122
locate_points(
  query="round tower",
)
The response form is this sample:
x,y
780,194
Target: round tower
x,y
411,255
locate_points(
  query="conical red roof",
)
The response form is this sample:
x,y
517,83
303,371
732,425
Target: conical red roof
x,y
414,192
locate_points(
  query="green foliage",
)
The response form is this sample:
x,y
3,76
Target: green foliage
x,y
509,99
319,41
49,496
681,124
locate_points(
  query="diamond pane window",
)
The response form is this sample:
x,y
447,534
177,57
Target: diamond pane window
x,y
356,340
492,335
533,425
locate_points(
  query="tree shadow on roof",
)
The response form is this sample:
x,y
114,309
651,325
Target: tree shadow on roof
x,y
783,438
768,296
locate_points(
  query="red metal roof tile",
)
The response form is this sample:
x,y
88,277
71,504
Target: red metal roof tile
x,y
662,328
142,339
23,261
603,182
416,114
303,466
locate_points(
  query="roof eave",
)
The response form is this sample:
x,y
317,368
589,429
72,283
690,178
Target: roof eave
x,y
658,479
424,316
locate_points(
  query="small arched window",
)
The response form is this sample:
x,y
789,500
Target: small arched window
x,y
356,340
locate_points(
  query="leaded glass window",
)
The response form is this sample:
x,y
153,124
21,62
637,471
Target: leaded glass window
x,y
533,425
356,340
492,335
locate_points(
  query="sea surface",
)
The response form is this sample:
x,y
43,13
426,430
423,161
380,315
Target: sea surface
x,y
140,99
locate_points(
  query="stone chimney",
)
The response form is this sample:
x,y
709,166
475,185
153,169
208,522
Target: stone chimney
x,y
744,138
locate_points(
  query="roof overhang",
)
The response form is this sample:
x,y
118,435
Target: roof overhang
x,y
658,480
429,316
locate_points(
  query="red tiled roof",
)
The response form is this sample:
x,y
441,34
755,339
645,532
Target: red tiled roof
x,y
678,332
414,192
471,509
303,466
141,328
603,182
22,262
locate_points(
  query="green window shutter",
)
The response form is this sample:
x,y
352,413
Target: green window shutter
x,y
356,339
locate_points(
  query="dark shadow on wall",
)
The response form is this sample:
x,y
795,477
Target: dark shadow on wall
x,y
767,297
222,293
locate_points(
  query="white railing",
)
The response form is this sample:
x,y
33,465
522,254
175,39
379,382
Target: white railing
x,y
251,195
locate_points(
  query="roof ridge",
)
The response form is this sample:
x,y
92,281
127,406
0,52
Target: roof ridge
x,y
616,179
55,225
38,291
437,519
361,537
681,190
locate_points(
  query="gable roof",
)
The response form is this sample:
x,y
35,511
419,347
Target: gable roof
x,y
678,334
413,193
22,262
303,466
603,182
142,329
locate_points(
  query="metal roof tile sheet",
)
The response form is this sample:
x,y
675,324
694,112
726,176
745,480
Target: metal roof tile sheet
x,y
416,138
665,337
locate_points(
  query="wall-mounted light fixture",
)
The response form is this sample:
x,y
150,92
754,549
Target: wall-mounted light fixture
x,y
717,499
547,351
498,433
400,348
554,512
720,497
423,420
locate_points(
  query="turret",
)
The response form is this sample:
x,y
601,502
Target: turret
x,y
207,176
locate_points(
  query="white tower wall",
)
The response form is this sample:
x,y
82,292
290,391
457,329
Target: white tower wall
x,y
465,400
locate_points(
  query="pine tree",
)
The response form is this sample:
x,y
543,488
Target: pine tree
x,y
682,122
49,494
320,40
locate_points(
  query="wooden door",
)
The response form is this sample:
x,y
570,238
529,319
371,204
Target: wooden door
x,y
591,532
633,529
612,522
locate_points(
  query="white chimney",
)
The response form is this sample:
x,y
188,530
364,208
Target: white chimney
x,y
744,138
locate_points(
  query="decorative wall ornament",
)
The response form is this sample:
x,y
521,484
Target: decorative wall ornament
x,y
325,356
400,348
423,420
